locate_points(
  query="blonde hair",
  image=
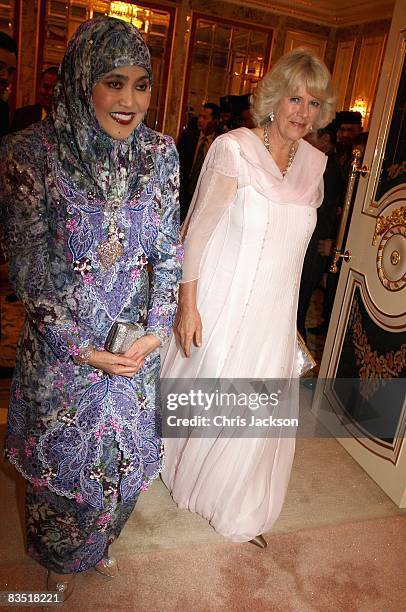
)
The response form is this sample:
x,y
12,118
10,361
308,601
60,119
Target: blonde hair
x,y
292,71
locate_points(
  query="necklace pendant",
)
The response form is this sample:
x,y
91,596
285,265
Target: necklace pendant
x,y
110,251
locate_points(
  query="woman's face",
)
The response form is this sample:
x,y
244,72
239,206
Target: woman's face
x,y
295,114
121,99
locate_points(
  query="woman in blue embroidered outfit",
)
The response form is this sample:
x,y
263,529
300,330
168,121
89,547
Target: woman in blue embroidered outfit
x,y
88,199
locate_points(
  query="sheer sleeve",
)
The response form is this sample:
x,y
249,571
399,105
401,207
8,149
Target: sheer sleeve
x,y
215,192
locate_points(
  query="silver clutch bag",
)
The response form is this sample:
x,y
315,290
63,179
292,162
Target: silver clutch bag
x,y
304,359
122,335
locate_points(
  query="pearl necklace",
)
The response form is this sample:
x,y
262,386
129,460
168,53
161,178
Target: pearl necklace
x,y
292,150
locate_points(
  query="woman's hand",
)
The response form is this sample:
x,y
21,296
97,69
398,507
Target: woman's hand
x,y
128,363
188,324
114,364
188,327
141,348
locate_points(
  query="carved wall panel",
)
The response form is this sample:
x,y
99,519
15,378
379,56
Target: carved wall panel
x,y
368,70
315,43
342,69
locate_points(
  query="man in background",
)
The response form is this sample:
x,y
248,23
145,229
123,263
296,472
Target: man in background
x,y
8,65
193,146
27,115
316,260
349,128
349,134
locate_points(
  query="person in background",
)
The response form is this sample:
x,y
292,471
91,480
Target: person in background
x,y
26,115
192,147
349,127
314,264
8,65
350,135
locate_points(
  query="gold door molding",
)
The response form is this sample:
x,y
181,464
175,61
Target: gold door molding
x,y
371,364
391,255
385,182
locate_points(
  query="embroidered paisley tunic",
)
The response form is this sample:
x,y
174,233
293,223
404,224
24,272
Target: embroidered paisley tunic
x,y
60,413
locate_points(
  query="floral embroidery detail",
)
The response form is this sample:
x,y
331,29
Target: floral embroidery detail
x,y
39,483
101,430
83,266
73,350
79,498
126,467
180,253
104,520
28,446
96,473
48,474
71,225
95,376
116,425
72,410
69,417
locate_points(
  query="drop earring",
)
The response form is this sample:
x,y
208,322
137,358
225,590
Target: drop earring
x,y
310,128
271,116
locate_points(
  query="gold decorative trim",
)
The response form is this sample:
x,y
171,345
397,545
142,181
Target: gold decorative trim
x,y
392,230
397,217
392,235
373,366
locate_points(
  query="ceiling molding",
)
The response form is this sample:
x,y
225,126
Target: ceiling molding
x,y
336,13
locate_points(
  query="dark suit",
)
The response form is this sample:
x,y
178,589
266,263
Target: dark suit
x,y
186,149
4,117
314,264
26,116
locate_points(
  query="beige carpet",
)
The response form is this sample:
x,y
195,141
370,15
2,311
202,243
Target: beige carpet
x,y
357,567
318,558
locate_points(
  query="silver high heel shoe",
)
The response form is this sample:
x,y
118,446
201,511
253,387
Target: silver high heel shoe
x,y
108,567
61,586
260,541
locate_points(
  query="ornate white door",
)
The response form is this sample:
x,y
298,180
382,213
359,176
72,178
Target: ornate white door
x,y
360,394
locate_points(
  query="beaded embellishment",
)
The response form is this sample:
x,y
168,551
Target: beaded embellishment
x,y
112,249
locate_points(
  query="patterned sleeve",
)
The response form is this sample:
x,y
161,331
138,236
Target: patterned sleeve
x,y
167,252
24,236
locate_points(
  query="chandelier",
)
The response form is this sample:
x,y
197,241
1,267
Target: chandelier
x,y
127,12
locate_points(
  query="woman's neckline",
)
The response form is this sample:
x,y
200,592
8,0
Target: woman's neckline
x,y
264,152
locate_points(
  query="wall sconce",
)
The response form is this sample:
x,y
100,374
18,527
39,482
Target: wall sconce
x,y
360,106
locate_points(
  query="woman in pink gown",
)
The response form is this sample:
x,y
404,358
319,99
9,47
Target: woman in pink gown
x,y
253,213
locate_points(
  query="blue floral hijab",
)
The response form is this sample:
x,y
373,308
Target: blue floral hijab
x,y
91,157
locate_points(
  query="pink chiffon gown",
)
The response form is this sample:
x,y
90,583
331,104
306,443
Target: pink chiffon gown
x,y
245,240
